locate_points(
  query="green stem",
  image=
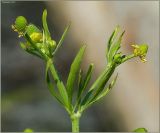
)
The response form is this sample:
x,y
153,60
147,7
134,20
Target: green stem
x,y
128,58
75,122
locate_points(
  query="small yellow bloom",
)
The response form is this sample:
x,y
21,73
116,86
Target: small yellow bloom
x,y
36,37
141,51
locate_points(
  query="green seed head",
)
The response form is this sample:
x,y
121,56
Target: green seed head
x,y
20,23
36,37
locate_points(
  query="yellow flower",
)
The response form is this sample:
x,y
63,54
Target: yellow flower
x,y
36,37
141,51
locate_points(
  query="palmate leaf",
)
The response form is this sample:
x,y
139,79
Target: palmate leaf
x,y
73,72
62,38
141,130
102,94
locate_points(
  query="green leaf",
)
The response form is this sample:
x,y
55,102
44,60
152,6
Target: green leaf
x,y
111,39
103,82
98,86
141,130
115,47
85,81
80,78
63,93
73,72
60,86
45,26
104,93
50,85
62,39
92,89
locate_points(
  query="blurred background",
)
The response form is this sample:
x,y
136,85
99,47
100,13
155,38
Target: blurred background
x,y
134,101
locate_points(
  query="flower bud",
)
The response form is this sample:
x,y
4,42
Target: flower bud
x,y
141,51
52,44
36,37
118,58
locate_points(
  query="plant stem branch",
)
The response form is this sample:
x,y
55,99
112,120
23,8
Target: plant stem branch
x,y
128,58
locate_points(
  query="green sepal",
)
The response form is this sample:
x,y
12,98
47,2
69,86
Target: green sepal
x,y
73,72
31,28
30,50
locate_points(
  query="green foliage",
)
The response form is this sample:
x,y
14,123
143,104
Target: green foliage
x,y
40,43
84,82
143,130
74,71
